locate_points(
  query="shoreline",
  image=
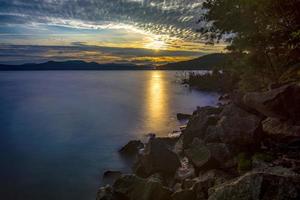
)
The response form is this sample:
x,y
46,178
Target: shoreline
x,y
221,150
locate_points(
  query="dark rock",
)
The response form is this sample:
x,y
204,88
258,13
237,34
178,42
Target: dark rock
x,y
107,193
168,142
220,153
135,188
238,100
208,156
158,157
240,130
258,186
261,160
112,174
182,116
279,130
217,176
224,97
244,163
177,187
185,171
282,103
199,122
151,135
132,147
199,154
178,147
207,180
212,134
184,195
189,183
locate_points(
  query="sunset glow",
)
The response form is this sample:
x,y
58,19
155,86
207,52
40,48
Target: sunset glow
x,y
131,31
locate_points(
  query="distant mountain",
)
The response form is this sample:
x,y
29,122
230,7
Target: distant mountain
x,y
206,62
73,65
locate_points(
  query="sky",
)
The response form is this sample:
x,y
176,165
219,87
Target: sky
x,y
144,32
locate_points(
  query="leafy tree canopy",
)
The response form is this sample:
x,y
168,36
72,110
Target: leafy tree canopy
x,y
267,31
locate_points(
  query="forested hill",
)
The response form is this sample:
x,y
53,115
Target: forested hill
x,y
206,62
73,65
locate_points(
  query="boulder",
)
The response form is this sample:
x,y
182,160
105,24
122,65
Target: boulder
x,y
132,147
224,97
207,156
207,180
186,170
212,134
215,175
240,130
184,195
107,193
220,153
135,188
112,174
199,154
200,120
258,186
178,147
201,188
157,158
177,187
168,142
182,116
282,103
189,183
281,130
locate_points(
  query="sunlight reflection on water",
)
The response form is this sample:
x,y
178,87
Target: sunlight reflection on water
x,y
157,99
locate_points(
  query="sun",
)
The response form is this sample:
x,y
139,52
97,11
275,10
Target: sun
x,y
156,45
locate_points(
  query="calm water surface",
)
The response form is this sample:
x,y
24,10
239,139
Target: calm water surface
x,y
59,131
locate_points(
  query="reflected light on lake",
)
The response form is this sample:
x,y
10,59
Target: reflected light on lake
x,y
157,100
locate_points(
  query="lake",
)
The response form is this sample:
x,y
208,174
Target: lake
x,y
60,130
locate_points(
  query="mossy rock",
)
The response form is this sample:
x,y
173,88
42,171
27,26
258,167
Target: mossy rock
x,y
198,153
244,163
135,188
263,157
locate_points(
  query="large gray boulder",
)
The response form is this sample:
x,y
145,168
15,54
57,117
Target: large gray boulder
x,y
199,155
185,171
199,122
207,156
239,129
281,130
207,180
157,157
282,103
135,188
258,186
107,193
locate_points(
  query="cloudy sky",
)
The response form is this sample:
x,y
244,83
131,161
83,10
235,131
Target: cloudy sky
x,y
120,31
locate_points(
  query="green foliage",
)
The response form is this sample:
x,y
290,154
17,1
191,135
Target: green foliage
x,y
264,34
244,162
216,81
263,157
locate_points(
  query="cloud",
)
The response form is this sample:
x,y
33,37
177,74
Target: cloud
x,y
175,18
140,31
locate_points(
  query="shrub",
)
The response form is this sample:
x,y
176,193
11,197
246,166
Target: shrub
x,y
244,162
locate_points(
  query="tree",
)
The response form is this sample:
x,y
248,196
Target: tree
x,y
266,32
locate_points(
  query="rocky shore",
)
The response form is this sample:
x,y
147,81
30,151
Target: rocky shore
x,y
248,149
